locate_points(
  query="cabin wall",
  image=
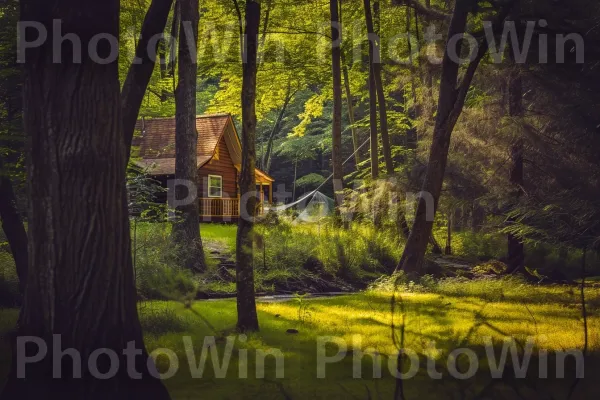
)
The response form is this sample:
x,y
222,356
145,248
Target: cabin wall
x,y
222,166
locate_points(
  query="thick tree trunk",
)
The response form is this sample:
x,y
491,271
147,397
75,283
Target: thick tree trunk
x,y
80,283
13,227
246,302
375,69
266,161
141,70
450,105
336,125
516,249
186,230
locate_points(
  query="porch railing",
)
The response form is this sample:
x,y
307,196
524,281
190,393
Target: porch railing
x,y
219,207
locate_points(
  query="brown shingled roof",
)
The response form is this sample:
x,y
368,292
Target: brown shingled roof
x,y
157,141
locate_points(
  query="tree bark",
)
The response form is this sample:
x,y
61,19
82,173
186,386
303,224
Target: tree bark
x,y
349,102
176,23
516,248
186,230
375,69
80,283
140,71
373,125
336,125
13,227
450,104
246,302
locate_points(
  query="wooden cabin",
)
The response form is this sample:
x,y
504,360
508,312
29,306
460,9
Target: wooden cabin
x,y
219,162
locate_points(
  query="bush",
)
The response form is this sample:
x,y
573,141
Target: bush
x,y
493,267
158,277
323,250
159,320
9,281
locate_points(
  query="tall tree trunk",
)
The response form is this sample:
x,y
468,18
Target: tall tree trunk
x,y
412,136
516,249
13,227
450,105
80,282
349,101
336,130
375,69
246,302
186,231
373,125
266,161
140,71
175,24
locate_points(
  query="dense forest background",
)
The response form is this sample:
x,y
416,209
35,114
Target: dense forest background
x,y
504,144
550,141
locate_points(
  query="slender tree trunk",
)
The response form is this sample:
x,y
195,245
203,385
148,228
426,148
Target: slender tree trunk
x,y
186,231
295,177
80,283
13,227
140,72
350,104
450,105
373,125
448,249
246,303
266,161
516,249
375,70
336,130
349,101
173,50
412,136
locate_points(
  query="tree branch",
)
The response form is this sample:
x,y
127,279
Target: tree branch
x,y
426,12
142,67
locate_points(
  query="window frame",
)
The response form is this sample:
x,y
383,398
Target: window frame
x,y
208,187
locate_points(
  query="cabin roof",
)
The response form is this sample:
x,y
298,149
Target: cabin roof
x,y
156,141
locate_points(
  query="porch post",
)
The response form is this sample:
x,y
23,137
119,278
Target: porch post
x,y
271,193
262,198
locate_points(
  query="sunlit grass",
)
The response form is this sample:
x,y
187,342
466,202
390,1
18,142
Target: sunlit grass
x,y
454,315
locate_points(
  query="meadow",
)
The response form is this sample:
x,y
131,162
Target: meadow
x,y
452,314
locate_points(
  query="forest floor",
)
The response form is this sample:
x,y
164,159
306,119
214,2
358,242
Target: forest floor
x,y
453,315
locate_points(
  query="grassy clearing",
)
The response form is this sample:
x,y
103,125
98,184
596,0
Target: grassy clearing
x,y
452,314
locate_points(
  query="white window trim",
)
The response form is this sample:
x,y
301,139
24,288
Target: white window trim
x,y
208,186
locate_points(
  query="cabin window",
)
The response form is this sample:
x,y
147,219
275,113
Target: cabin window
x,y
215,186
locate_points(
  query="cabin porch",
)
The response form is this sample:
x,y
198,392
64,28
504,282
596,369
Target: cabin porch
x,y
222,209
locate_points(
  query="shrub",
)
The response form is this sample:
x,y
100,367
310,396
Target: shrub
x,y
493,267
157,320
158,276
9,281
321,250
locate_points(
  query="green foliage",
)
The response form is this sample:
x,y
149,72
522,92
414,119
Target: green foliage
x,y
9,280
160,318
158,276
315,254
310,181
493,267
